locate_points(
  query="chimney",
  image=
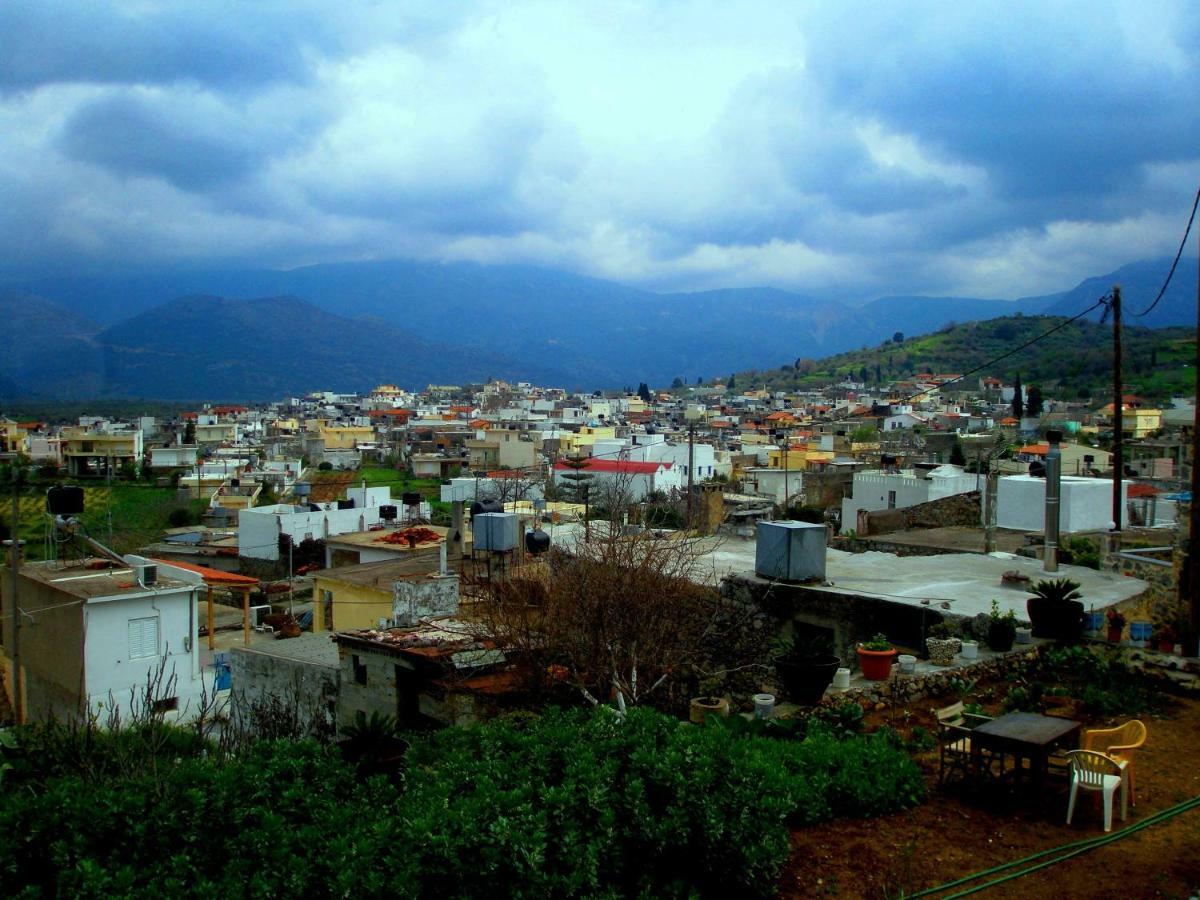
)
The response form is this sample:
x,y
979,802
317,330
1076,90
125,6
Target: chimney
x,y
1053,484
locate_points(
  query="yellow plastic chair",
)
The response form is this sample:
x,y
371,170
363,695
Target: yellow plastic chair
x,y
1094,771
954,739
1118,745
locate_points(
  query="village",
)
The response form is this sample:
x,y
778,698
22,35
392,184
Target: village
x,y
412,561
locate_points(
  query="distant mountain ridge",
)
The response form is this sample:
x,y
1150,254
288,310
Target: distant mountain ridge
x,y
204,347
462,321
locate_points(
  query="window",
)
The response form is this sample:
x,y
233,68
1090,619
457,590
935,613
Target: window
x,y
360,670
327,597
143,637
891,499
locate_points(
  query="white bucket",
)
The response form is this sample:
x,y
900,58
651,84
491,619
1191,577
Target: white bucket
x,y
970,649
764,705
841,679
907,663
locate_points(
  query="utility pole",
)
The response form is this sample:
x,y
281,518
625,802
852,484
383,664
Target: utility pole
x,y
18,681
1189,581
691,467
1118,416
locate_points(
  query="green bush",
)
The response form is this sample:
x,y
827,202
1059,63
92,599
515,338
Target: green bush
x,y
564,805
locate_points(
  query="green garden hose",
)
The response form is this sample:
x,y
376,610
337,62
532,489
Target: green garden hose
x,y
1060,854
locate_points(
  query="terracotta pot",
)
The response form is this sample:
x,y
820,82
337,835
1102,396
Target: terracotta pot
x,y
1166,646
1114,633
876,665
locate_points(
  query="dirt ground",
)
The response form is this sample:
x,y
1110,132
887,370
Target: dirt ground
x,y
950,836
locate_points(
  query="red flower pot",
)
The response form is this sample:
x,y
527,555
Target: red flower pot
x,y
876,665
1114,634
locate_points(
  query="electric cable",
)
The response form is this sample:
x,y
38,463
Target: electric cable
x,y
1178,255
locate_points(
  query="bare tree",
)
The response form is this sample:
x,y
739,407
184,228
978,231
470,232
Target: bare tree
x,y
628,617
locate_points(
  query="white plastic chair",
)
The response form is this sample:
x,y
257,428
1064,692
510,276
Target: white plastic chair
x,y
1096,772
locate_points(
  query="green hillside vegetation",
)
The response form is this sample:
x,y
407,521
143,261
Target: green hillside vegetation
x,y
1073,363
138,513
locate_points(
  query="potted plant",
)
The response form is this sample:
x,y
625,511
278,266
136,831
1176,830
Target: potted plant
x,y
1002,629
875,658
1116,624
942,644
1165,638
1055,610
805,667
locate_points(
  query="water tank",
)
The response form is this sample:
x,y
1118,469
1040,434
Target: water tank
x,y
495,531
388,513
345,504
790,551
537,542
64,500
410,498
485,506
301,489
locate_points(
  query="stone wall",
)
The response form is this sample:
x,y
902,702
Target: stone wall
x,y
909,688
958,509
1161,602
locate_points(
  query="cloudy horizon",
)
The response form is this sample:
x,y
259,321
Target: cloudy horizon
x,y
851,150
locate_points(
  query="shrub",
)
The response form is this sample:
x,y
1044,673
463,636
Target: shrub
x,y
567,804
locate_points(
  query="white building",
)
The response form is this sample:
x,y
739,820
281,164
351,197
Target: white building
x,y
1085,504
632,481
260,528
92,638
875,489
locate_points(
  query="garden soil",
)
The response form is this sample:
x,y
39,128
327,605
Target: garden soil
x,y
950,836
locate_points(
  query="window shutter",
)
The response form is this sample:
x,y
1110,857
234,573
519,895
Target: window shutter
x,y
143,637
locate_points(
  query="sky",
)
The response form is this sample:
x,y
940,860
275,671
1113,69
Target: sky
x,y
840,149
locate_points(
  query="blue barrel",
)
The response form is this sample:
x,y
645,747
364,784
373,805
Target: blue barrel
x,y
1093,622
1139,633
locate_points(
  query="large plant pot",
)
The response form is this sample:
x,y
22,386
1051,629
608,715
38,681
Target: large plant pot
x,y
876,665
1059,620
1000,638
702,707
942,650
805,681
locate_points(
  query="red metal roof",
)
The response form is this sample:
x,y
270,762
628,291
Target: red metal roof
x,y
620,466
212,576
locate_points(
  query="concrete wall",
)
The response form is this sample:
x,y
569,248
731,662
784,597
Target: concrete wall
x,y
51,649
355,606
374,682
259,529
308,687
415,599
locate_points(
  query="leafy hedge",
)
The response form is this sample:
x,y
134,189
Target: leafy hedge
x,y
567,804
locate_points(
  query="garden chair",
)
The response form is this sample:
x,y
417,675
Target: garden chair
x,y
1118,745
954,740
1096,772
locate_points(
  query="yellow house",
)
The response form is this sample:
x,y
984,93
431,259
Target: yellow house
x,y
589,434
13,438
346,437
89,452
798,456
358,597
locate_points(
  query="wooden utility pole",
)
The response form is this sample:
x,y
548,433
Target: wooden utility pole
x,y
1118,458
1189,581
18,681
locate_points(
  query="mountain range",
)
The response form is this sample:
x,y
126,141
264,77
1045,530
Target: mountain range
x,y
262,334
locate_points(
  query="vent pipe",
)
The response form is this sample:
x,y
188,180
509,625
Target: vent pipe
x,y
1053,472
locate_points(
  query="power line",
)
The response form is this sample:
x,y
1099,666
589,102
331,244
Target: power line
x,y
1102,301
1178,254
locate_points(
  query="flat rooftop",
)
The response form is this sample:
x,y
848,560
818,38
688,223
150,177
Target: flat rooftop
x,y
91,578
378,539
967,582
381,575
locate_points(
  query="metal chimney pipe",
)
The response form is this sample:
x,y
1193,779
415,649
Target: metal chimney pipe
x,y
1053,471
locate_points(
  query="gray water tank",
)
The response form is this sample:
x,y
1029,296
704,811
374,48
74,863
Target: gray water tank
x,y
790,551
495,531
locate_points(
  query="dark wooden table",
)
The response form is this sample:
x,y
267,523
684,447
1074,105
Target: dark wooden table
x,y
1024,735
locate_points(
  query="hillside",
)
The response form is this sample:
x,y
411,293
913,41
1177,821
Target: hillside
x,y
47,349
1073,363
